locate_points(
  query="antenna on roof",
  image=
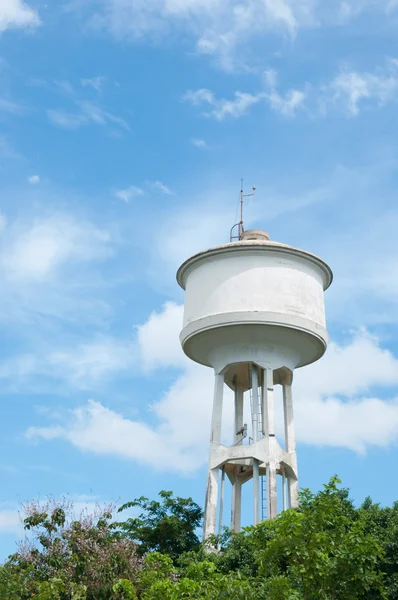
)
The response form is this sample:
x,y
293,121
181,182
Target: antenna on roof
x,y
237,230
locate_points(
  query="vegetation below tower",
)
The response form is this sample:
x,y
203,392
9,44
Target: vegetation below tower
x,y
326,550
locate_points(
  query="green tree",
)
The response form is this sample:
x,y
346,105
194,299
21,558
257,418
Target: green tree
x,y
323,549
382,524
64,558
168,526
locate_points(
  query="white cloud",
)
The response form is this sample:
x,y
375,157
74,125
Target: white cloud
x,y
198,97
7,150
227,30
160,187
95,82
198,143
222,108
235,108
168,445
356,425
99,116
87,114
342,373
20,367
286,105
65,86
9,106
76,507
217,27
92,362
84,365
159,344
195,226
271,78
37,250
178,441
34,179
334,404
3,222
222,16
129,193
16,13
49,266
353,90
350,91
64,119
10,520
97,429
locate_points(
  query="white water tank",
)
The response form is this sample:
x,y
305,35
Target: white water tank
x,y
254,300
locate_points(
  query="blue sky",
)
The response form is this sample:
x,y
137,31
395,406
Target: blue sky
x,y
125,126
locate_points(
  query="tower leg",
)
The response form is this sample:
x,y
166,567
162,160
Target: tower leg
x,y
293,489
256,491
221,509
268,404
272,491
237,485
290,439
290,442
210,518
269,432
256,465
238,421
283,490
236,505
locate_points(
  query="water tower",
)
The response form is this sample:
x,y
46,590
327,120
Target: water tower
x,y
254,312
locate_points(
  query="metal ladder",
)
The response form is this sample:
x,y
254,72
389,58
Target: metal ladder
x,y
263,480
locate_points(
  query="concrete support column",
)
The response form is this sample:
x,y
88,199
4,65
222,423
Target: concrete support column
x,y
283,491
272,495
256,466
221,509
268,404
238,421
269,432
256,491
210,518
293,490
255,402
290,439
238,440
290,442
216,420
236,506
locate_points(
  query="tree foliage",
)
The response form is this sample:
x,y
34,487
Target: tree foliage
x,y
323,549
326,550
65,557
382,525
168,526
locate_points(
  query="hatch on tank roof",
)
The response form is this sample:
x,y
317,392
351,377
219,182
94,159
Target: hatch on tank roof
x,y
254,234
